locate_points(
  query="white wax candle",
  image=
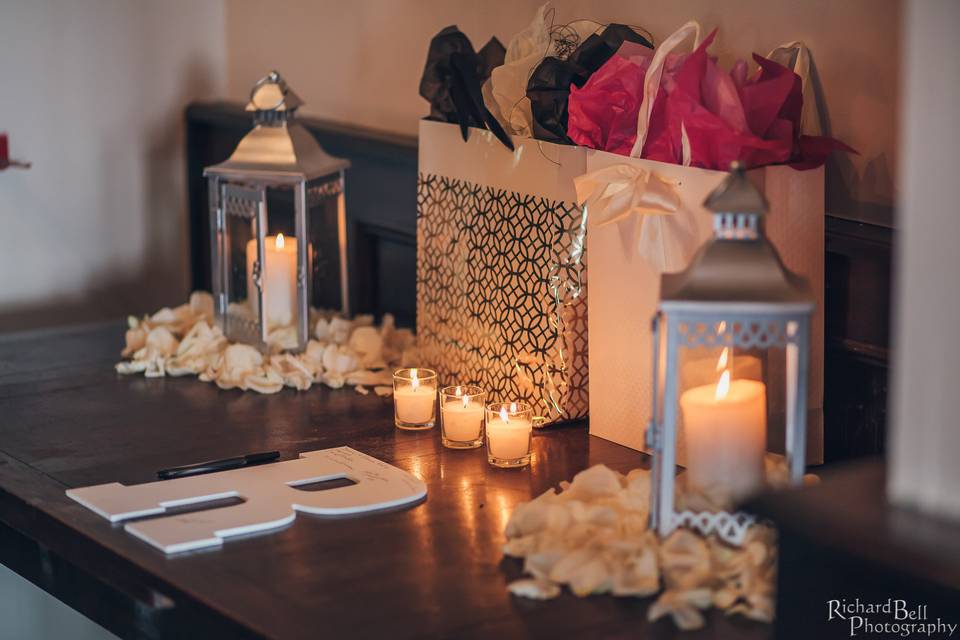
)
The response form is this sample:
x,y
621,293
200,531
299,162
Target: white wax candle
x,y
279,278
462,419
509,437
415,404
726,434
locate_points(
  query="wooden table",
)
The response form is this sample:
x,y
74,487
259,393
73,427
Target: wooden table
x,y
433,570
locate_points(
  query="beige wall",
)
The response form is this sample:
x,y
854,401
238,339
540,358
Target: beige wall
x,y
93,94
360,61
94,91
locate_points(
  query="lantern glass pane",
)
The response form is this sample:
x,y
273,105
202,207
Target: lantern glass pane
x,y
279,263
727,395
242,214
326,273
281,212
279,280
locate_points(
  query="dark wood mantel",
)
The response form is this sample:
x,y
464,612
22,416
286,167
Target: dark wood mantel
x,y
433,570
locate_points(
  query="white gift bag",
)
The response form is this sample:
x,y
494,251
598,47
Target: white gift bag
x,y
647,217
501,275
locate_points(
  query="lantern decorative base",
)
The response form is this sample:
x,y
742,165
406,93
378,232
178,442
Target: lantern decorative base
x,y
729,527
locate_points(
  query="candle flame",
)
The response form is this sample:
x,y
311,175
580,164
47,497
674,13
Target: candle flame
x,y
279,242
466,401
724,357
503,414
723,387
414,381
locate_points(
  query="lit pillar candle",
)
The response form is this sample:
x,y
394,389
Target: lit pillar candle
x,y
726,432
415,398
461,417
279,278
704,371
509,429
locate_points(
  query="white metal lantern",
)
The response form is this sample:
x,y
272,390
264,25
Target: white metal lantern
x,y
278,228
731,349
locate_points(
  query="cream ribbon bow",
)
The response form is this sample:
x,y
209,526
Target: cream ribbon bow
x,y
620,193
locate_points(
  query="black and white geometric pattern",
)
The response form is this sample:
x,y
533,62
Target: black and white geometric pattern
x,y
501,294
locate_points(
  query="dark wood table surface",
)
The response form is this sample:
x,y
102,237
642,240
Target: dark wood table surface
x,y
842,538
432,570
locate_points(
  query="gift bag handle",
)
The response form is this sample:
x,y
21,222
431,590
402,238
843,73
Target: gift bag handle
x,y
651,83
810,116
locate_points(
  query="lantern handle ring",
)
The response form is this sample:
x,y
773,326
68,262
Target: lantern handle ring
x,y
271,78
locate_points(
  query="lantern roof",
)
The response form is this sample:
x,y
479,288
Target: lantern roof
x,y
738,267
736,194
278,149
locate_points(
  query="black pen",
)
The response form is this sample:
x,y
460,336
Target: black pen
x,y
210,466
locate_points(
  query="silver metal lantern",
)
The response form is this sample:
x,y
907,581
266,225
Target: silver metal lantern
x,y
731,350
278,228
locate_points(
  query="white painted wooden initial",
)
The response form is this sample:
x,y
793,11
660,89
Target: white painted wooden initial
x,y
270,499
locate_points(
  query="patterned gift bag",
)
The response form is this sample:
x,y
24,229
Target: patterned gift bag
x,y
501,269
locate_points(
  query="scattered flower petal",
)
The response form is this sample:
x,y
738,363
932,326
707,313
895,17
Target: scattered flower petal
x,y
593,536
184,341
534,589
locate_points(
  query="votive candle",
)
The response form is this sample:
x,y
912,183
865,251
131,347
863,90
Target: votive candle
x,y
461,416
509,429
415,398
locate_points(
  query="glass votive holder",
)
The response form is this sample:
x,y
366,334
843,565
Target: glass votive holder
x,y
461,416
509,430
415,398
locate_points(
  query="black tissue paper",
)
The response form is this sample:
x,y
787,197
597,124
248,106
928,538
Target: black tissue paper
x,y
452,78
549,86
